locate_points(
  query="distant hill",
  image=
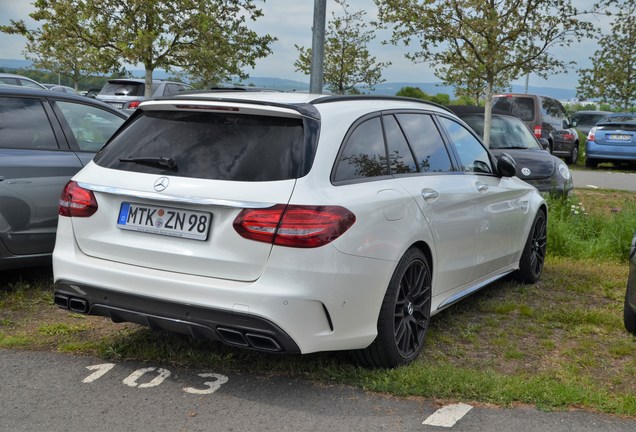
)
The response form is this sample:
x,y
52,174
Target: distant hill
x,y
389,88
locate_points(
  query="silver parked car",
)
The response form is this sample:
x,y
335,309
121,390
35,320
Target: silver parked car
x,y
128,93
19,80
45,138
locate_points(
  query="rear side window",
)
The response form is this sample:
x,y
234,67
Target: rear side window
x,y
522,107
364,154
91,126
215,146
25,125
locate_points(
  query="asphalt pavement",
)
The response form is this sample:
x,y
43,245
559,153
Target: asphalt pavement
x,y
51,392
603,179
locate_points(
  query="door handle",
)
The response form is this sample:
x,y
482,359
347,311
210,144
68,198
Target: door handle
x,y
482,187
430,194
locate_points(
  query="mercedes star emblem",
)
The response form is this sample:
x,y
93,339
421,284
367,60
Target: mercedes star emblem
x,y
161,184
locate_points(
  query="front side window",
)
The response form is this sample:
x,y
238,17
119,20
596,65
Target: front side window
x,y
25,125
472,154
216,146
364,153
91,126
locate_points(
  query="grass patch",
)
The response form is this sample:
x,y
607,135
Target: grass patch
x,y
557,344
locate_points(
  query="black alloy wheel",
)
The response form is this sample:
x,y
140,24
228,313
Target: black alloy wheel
x,y
533,256
404,317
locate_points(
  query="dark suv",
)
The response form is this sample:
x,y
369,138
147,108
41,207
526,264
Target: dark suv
x,y
46,138
547,118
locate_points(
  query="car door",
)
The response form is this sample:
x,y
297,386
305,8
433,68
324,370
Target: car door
x,y
500,204
35,163
446,197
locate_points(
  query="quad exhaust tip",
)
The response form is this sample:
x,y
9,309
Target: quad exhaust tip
x,y
73,304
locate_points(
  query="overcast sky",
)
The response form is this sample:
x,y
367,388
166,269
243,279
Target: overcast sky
x,y
291,22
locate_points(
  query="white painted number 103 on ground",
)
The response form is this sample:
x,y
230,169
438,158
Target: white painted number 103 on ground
x,y
213,384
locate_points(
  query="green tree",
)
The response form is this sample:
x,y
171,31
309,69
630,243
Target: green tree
x,y
208,39
348,65
483,45
612,77
418,93
53,48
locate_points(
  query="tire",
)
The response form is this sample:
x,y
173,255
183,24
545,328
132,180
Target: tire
x,y
590,163
629,317
404,316
533,256
574,155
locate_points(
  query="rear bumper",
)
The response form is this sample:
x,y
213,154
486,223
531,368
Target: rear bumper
x,y
201,323
610,152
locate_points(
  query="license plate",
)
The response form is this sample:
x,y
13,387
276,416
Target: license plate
x,y
117,104
620,137
166,221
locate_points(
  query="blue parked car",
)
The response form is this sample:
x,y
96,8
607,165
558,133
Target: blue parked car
x,y
613,139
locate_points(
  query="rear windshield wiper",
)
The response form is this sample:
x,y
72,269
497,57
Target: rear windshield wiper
x,y
162,161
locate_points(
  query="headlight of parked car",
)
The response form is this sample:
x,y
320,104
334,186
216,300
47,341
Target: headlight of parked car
x,y
564,171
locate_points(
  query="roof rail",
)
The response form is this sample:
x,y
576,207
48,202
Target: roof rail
x,y
340,98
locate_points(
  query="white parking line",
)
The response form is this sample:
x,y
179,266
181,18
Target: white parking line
x,y
592,186
447,416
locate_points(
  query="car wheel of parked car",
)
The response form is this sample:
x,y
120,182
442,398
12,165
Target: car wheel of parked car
x,y
590,163
629,318
404,316
574,155
533,257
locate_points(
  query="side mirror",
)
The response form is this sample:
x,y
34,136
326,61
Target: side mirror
x,y
506,165
544,143
574,123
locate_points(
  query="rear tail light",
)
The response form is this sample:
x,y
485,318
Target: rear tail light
x,y
294,225
537,131
134,104
590,135
75,201
568,136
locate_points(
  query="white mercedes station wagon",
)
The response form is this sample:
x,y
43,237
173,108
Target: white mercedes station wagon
x,y
293,223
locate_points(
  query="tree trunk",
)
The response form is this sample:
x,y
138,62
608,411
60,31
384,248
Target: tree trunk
x,y
148,91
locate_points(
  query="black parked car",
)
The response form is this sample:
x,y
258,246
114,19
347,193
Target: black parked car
x,y
535,165
630,296
45,138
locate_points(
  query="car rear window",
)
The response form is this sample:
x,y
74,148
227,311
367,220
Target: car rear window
x,y
522,107
588,118
123,89
217,146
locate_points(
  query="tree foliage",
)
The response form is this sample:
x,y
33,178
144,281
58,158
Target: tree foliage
x,y
418,93
612,77
208,39
483,45
52,48
348,65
